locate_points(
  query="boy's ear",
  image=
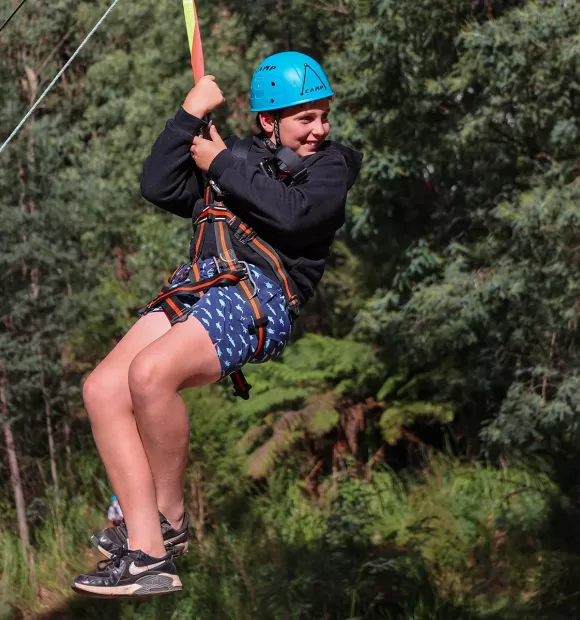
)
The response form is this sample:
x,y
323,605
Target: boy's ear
x,y
267,121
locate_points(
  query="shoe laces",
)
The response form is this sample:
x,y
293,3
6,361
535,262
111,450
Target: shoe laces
x,y
114,561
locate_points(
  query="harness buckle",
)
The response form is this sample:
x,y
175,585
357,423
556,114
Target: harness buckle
x,y
216,189
244,237
294,306
299,176
230,261
241,386
250,278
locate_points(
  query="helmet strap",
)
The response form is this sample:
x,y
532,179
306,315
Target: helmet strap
x,y
268,143
277,129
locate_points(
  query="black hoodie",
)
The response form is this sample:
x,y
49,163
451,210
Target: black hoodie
x,y
299,222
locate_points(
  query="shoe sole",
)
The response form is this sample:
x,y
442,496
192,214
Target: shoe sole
x,y
176,550
147,586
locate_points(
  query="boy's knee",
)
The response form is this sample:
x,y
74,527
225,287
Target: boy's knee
x,y
99,391
145,374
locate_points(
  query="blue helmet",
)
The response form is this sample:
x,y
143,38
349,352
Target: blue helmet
x,y
113,498
287,79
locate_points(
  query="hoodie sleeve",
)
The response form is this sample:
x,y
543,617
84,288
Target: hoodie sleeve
x,y
302,214
171,180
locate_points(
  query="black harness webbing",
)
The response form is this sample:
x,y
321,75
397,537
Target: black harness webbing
x,y
231,271
291,163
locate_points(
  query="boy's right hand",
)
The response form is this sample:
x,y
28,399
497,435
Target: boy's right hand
x,y
204,97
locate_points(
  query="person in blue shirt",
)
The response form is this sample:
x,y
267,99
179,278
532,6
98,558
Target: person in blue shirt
x,y
114,513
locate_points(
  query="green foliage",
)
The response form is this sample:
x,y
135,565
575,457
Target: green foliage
x,y
14,577
377,548
322,421
216,478
457,267
469,192
316,360
526,421
399,414
287,430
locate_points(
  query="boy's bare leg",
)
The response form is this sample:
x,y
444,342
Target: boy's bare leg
x,y
140,423
108,402
183,357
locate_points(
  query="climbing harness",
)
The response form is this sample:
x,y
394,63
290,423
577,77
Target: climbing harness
x,y
230,271
284,164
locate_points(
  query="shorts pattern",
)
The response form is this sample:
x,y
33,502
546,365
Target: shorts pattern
x,y
228,318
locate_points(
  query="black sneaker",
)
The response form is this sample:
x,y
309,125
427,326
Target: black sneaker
x,y
130,574
110,539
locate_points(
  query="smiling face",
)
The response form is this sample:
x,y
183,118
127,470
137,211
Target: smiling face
x,y
303,128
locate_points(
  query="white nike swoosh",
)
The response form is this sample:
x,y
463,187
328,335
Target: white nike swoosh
x,y
137,570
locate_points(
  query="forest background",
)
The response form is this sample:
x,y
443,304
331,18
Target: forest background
x,y
414,454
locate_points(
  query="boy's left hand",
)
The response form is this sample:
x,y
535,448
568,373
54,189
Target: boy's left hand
x,y
205,151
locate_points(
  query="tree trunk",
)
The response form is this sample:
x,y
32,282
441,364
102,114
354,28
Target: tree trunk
x,y
198,504
26,204
15,479
51,451
32,90
68,451
49,430
52,455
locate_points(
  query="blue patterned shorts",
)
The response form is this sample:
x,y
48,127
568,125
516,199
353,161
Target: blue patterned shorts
x,y
228,318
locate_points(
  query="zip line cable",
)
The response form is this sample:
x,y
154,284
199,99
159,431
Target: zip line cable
x,y
12,15
58,75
